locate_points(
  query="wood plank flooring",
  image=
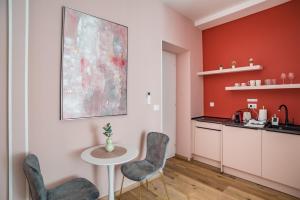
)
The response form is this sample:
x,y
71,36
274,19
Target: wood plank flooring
x,y
197,181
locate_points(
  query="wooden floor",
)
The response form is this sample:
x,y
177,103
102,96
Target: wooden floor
x,y
197,181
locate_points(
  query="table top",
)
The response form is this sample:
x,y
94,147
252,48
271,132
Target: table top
x,y
130,154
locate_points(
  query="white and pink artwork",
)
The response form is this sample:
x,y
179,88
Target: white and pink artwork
x,y
94,66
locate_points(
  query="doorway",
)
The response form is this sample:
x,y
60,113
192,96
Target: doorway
x,y
169,99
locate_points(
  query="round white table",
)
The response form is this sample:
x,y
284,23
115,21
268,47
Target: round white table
x,y
130,154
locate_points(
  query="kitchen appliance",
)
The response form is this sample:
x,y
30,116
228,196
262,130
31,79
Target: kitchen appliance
x,y
238,116
262,115
246,116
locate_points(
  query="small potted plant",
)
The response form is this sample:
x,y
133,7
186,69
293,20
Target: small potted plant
x,y
233,64
251,62
108,133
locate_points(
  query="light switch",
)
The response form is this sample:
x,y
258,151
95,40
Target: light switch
x,y
148,98
156,107
212,104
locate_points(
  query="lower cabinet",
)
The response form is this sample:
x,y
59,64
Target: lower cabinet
x,y
207,140
273,156
281,158
242,149
208,143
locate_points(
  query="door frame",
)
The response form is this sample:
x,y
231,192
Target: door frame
x,y
172,48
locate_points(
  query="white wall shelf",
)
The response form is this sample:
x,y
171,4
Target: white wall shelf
x,y
264,87
231,70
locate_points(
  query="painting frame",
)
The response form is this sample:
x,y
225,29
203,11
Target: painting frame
x,y
62,116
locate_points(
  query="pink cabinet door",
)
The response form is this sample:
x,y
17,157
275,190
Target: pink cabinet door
x,y
207,143
281,158
242,149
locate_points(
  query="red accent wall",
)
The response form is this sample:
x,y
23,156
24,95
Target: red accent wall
x,y
272,38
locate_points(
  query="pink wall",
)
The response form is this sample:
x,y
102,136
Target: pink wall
x,y
182,104
18,98
188,39
271,37
3,100
189,88
57,143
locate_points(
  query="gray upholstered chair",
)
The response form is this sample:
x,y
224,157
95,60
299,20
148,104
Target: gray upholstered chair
x,y
76,189
151,165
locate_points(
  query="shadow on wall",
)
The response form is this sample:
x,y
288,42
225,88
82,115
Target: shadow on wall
x,y
20,159
18,163
94,131
95,134
59,182
143,141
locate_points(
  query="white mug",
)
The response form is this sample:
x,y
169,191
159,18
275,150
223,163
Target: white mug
x,y
251,82
237,84
258,82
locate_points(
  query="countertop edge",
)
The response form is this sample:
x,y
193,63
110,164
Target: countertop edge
x,y
229,122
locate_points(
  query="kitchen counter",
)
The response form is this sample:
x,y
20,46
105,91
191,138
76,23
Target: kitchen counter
x,y
293,132
230,122
216,120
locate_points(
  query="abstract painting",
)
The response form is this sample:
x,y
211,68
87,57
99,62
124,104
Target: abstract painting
x,y
94,66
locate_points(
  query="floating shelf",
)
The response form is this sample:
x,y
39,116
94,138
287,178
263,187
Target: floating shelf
x,y
264,87
231,70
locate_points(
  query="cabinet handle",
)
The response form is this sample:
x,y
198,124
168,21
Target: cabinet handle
x,y
212,129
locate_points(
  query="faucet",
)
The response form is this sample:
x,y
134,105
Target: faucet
x,y
286,113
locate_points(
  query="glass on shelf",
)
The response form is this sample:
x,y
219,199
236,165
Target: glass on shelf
x,y
283,77
291,77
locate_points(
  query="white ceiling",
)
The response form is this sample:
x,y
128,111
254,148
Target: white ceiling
x,y
209,13
195,9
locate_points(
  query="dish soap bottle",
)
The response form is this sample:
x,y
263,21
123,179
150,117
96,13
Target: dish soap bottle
x,y
275,120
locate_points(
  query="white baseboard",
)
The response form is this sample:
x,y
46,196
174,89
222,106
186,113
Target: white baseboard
x,y
259,180
207,161
262,181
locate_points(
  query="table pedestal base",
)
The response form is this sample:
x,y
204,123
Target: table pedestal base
x,y
111,177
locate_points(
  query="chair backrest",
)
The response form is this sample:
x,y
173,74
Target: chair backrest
x,y
34,177
156,149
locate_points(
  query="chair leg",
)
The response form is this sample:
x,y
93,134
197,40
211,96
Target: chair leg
x,y
164,183
121,187
140,191
147,184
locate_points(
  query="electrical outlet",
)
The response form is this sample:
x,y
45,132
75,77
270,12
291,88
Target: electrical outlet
x,y
252,105
212,104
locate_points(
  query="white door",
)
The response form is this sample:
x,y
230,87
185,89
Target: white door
x,y
169,100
